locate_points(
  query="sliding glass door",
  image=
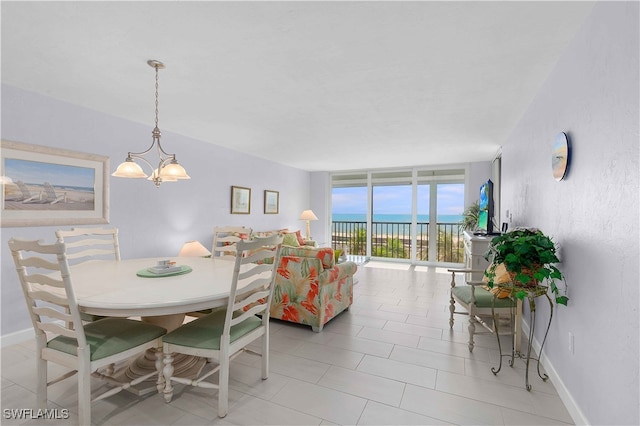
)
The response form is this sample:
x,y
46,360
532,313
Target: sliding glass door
x,y
449,206
408,214
391,207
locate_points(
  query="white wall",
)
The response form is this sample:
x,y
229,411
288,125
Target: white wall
x,y
593,95
477,174
320,196
152,221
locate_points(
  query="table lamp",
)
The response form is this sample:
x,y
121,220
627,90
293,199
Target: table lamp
x,y
194,249
308,216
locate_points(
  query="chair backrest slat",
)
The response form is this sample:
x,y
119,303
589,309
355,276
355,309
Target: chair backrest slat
x,y
90,244
255,310
49,296
46,280
256,270
38,262
225,239
53,313
52,327
46,296
254,285
89,253
256,281
253,296
255,257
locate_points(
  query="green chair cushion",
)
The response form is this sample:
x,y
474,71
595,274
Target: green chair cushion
x,y
109,336
484,299
205,332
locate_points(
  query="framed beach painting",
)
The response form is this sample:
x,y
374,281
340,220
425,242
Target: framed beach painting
x,y
240,200
45,186
271,201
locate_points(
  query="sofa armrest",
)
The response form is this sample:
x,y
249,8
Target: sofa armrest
x,y
310,243
324,254
338,272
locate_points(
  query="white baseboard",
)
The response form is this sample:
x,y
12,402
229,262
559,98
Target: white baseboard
x,y
16,337
573,408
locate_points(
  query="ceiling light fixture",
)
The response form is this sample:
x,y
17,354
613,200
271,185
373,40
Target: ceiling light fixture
x,y
168,168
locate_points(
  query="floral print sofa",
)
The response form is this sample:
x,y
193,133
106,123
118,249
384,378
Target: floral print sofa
x,y
310,287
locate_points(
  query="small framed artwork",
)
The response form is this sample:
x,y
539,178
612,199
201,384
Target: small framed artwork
x,y
271,201
240,200
561,156
44,186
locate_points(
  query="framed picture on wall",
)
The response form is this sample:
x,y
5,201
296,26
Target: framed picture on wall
x,y
45,186
271,201
240,200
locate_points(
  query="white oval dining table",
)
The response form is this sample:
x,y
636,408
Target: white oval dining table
x,y
113,288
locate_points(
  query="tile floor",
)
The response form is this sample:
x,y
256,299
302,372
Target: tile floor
x,y
390,360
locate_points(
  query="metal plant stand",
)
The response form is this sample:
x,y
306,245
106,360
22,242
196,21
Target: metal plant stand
x,y
531,294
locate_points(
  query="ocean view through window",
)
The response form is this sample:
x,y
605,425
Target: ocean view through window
x,y
387,215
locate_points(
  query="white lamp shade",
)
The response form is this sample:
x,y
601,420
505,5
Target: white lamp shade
x,y
129,169
173,171
308,215
194,249
165,177
5,180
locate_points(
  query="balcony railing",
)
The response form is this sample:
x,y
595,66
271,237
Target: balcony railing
x,y
393,240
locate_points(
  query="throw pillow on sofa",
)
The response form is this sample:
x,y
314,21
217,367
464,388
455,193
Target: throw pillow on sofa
x,y
290,240
301,241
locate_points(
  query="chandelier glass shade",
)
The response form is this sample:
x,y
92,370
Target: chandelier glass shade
x,y
168,170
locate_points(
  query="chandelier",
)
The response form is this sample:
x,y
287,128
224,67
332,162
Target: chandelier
x,y
168,168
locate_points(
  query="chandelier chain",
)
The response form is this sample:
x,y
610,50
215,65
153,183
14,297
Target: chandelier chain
x,y
156,67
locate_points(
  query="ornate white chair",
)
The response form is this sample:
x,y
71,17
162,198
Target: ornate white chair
x,y
224,333
483,308
225,239
82,348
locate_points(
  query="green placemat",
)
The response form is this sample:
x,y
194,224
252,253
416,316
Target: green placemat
x,y
145,273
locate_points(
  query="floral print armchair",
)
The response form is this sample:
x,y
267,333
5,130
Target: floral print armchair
x,y
310,287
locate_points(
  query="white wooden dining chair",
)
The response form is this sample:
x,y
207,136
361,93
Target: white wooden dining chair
x,y
480,305
62,338
84,244
88,244
225,333
225,239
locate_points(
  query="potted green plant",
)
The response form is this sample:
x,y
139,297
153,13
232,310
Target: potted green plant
x,y
469,220
528,256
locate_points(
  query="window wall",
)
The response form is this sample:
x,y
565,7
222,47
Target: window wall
x,y
387,214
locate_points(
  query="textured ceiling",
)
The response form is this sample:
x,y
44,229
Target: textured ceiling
x,y
316,85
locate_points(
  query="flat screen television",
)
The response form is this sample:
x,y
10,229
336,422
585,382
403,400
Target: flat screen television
x,y
485,215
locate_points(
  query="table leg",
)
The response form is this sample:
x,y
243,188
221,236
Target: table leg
x,y
515,347
518,326
184,365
